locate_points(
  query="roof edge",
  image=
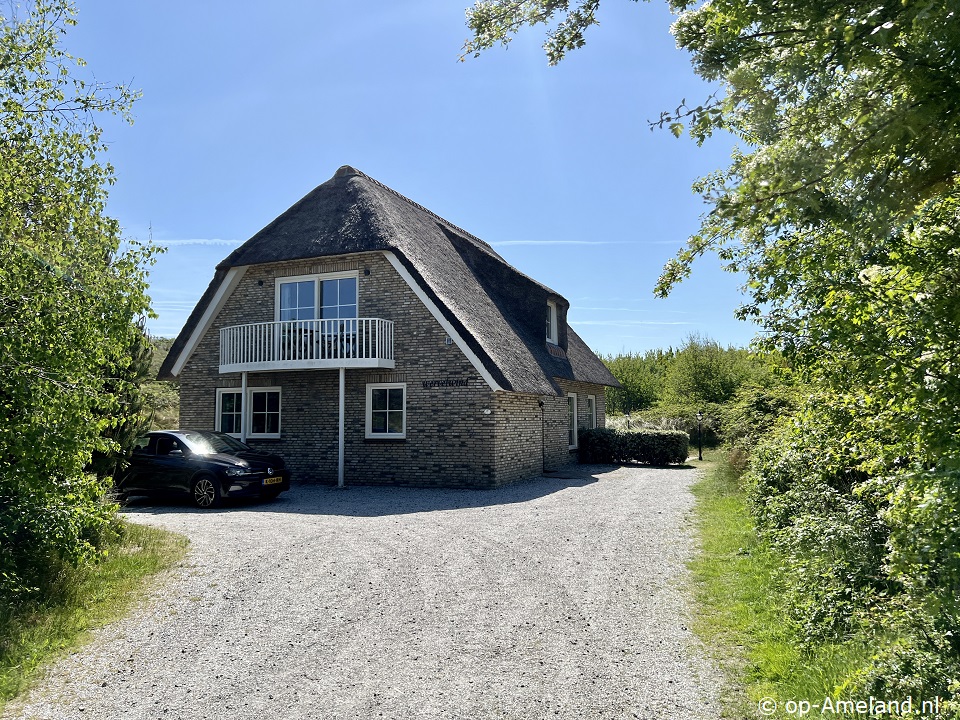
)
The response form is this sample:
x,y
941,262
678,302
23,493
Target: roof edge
x,y
197,325
437,313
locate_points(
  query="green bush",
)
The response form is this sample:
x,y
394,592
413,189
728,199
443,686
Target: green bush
x,y
658,447
682,416
868,542
600,446
811,504
652,447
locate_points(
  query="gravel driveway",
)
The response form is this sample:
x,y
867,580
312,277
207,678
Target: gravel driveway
x,y
553,598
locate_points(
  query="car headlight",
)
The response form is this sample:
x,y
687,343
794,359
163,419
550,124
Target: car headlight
x,y
235,471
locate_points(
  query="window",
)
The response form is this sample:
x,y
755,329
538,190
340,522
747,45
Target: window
x,y
591,411
265,413
317,297
298,300
229,412
552,334
572,420
387,410
263,418
338,298
168,445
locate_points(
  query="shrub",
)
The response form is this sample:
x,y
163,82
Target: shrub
x,y
682,417
600,445
652,447
657,447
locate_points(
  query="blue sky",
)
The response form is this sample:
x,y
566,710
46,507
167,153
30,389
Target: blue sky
x,y
247,107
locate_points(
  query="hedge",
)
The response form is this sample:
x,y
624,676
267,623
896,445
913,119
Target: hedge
x,y
652,447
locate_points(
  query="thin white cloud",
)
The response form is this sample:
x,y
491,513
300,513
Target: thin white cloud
x,y
173,306
632,299
626,323
505,243
578,308
199,241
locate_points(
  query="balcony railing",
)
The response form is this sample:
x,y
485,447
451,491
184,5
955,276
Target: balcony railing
x,y
304,344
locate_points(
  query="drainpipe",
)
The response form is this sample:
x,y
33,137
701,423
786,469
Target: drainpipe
x,y
343,374
244,411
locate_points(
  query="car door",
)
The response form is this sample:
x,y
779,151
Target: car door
x,y
142,465
172,465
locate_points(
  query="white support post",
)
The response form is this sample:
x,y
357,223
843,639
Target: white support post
x,y
343,382
244,411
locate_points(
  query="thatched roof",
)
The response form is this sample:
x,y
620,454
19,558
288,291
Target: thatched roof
x,y
496,309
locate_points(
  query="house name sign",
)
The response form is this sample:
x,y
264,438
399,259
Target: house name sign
x,y
446,382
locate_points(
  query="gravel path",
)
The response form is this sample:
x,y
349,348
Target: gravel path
x,y
554,598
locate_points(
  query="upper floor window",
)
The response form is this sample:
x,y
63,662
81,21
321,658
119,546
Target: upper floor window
x,y
298,300
318,297
338,298
552,334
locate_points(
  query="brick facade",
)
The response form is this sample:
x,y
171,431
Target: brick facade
x,y
458,434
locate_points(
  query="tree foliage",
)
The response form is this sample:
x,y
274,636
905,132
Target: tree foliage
x,y
69,301
641,376
161,397
703,372
842,208
699,373
493,22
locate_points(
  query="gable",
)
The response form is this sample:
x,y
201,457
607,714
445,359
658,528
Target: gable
x,y
494,311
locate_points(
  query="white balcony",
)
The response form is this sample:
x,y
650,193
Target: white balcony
x,y
307,344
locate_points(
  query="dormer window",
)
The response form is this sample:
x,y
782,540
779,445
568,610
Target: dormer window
x,y
552,333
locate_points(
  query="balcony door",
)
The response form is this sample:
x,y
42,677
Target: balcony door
x,y
318,316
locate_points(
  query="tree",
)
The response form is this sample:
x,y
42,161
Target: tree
x,y
69,301
842,207
641,378
702,372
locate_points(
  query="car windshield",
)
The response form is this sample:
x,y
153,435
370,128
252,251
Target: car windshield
x,y
212,443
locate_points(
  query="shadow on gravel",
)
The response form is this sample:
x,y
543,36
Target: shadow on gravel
x,y
375,501
642,466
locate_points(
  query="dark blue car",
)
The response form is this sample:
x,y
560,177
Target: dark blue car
x,y
206,466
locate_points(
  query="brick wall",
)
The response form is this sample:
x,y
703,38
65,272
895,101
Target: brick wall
x,y
457,435
556,453
518,444
557,445
449,437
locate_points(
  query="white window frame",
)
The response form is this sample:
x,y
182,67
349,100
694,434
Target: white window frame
x,y
317,279
574,427
369,434
591,411
219,412
553,332
246,416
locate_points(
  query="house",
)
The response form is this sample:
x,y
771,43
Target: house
x,y
369,341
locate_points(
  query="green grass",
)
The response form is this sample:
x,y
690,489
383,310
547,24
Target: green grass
x,y
86,598
740,609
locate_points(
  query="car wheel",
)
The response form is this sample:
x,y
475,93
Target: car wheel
x,y
205,492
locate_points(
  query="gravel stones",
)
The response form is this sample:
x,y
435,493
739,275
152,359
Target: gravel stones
x,y
553,598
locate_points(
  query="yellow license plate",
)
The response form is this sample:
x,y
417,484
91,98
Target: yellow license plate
x,y
273,480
